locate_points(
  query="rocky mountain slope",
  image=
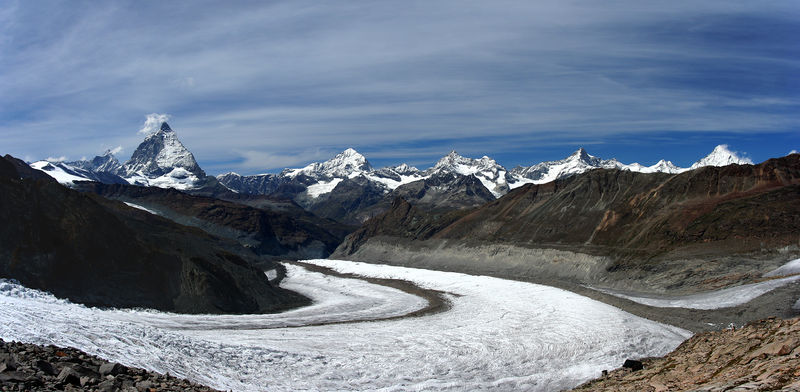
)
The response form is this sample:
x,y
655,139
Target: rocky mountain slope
x,y
273,232
762,356
664,231
101,252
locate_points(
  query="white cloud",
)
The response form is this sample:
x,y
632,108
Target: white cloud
x,y
153,123
116,150
56,159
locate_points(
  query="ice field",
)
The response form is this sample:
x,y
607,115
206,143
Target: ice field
x,y
497,335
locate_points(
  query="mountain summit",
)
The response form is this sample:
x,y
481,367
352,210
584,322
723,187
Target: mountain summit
x,y
162,160
722,156
348,163
487,170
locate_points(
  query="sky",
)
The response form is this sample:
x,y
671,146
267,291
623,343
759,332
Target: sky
x,y
256,86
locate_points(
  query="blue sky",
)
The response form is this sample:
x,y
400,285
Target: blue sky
x,y
257,86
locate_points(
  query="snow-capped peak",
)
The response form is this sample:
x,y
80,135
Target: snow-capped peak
x,y
161,153
106,162
162,160
722,156
665,166
487,170
580,154
578,162
405,169
347,164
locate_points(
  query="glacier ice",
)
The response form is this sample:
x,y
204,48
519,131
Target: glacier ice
x,y
497,335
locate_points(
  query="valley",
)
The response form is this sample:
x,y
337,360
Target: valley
x,y
403,196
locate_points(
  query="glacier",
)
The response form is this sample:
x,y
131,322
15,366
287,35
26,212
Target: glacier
x,y
497,335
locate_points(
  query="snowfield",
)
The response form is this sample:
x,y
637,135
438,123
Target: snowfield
x,y
497,335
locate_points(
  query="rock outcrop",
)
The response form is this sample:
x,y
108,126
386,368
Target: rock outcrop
x,y
761,356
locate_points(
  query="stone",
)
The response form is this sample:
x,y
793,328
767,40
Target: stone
x,y
144,385
633,364
107,386
111,369
13,376
88,380
46,367
68,376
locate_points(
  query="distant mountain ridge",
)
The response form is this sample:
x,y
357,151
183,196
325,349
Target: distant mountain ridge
x,y
347,187
162,160
496,178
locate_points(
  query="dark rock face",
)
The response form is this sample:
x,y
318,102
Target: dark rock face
x,y
288,232
445,192
49,368
348,201
101,252
254,185
402,220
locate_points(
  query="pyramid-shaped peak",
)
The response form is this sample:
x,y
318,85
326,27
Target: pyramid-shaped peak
x,y
580,154
160,154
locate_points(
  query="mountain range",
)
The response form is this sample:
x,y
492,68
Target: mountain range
x,y
697,230
347,188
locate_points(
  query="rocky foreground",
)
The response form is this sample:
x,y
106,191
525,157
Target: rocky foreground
x,y
28,367
761,356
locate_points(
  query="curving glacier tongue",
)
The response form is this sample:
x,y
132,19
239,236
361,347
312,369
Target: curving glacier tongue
x,y
497,335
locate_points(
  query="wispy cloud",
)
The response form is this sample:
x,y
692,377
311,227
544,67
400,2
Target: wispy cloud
x,y
152,123
254,87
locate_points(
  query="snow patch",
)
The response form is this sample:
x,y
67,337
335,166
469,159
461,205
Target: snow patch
x,y
56,170
138,207
322,187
